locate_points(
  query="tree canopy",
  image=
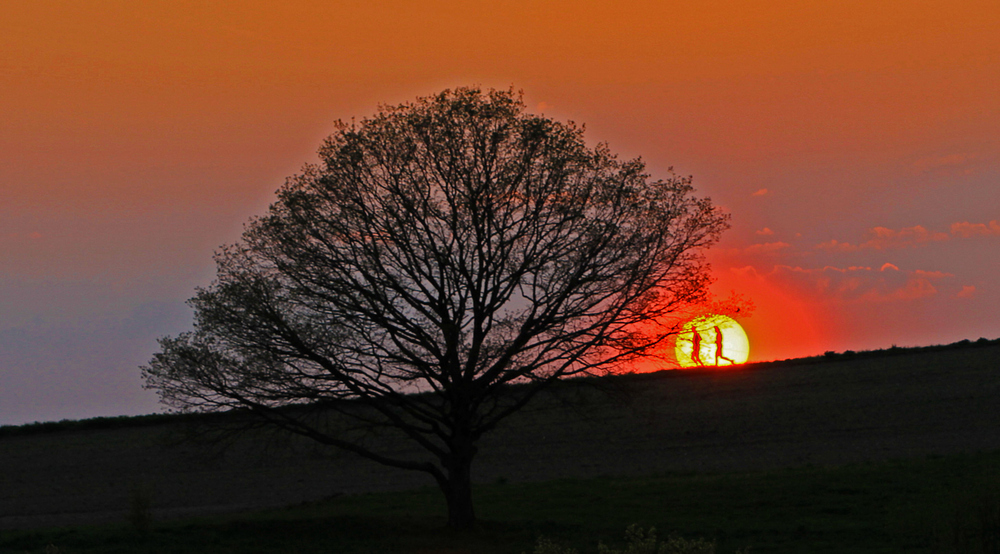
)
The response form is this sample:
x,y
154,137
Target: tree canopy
x,y
441,251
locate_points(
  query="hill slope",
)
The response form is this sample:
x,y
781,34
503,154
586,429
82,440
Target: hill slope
x,y
824,412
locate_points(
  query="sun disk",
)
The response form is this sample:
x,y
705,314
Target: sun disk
x,y
712,341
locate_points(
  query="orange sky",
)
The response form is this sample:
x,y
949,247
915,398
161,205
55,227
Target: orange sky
x,y
136,137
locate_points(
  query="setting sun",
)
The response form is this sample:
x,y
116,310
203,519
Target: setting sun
x,y
712,340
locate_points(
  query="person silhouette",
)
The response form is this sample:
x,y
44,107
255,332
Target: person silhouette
x,y
696,351
718,348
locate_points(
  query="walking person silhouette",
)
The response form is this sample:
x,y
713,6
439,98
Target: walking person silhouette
x,y
696,352
718,348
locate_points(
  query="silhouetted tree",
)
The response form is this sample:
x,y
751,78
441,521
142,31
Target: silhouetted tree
x,y
440,252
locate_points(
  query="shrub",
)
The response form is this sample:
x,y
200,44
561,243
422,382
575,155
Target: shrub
x,y
140,508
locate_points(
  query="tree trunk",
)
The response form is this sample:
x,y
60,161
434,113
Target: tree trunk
x,y
458,486
461,513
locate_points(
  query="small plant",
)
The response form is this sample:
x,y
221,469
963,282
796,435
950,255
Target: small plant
x,y
640,541
545,545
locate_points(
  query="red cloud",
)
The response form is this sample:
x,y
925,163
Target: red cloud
x,y
765,248
967,291
966,229
852,284
938,162
837,246
886,238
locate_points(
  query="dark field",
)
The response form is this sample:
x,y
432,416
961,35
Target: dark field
x,y
885,452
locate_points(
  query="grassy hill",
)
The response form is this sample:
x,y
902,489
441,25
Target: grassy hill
x,y
780,456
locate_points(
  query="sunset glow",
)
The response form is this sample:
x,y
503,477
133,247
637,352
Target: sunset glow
x,y
854,143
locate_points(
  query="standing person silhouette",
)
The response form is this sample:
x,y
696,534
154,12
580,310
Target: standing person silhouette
x,y
696,352
718,348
